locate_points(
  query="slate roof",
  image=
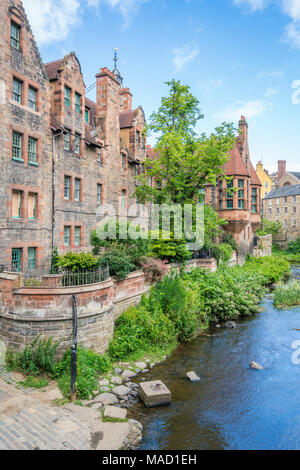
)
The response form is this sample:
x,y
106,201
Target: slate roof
x,y
296,174
52,68
284,191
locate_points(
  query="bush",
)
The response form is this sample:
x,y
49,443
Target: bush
x,y
294,246
36,358
287,296
89,366
78,262
221,252
272,269
268,227
169,249
118,260
155,269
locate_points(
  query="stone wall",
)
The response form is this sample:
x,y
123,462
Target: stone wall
x,y
264,246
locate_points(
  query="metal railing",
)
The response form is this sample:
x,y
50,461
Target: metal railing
x,y
41,276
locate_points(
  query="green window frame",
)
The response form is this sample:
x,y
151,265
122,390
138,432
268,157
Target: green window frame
x,y
77,102
229,195
17,146
67,233
87,120
16,258
15,35
67,141
254,200
99,193
32,98
67,186
17,90
31,258
138,134
77,236
77,144
67,96
77,189
32,146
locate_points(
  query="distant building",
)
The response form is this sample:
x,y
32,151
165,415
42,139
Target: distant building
x,y
287,178
283,205
265,179
241,208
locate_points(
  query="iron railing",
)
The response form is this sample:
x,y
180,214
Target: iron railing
x,y
40,276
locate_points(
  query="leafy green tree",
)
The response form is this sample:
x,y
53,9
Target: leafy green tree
x,y
187,161
268,227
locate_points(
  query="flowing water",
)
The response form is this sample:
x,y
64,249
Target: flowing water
x,y
233,406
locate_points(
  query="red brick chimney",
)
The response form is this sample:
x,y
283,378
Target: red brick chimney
x,y
281,168
108,103
126,100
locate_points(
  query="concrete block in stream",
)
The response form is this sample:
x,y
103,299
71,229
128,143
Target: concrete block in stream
x,y
154,394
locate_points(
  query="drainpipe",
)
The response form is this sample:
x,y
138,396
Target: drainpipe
x,y
53,187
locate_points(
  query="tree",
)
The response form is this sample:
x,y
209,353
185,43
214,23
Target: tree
x,y
187,161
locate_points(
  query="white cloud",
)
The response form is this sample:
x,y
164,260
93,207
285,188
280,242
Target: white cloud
x,y
183,55
271,92
249,109
292,9
253,5
209,85
52,20
270,74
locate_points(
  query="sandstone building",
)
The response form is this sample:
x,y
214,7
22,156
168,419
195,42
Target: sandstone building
x,y
239,199
264,178
62,155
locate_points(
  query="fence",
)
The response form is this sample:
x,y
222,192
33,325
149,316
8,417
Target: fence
x,y
40,277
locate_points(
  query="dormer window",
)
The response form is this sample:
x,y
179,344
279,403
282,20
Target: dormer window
x,y
15,35
67,96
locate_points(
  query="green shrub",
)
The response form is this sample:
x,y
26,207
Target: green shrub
x,y
36,358
78,261
170,249
118,260
287,295
294,246
272,268
268,227
229,239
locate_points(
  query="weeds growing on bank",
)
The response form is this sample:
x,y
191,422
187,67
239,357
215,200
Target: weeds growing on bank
x,y
177,308
287,295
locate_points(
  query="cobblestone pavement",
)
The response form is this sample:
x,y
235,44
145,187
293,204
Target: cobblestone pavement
x,y
30,420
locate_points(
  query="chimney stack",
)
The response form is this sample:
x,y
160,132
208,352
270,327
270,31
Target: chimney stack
x,y
281,168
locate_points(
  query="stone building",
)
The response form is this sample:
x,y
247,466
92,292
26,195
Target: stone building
x,y
283,205
62,155
286,178
238,200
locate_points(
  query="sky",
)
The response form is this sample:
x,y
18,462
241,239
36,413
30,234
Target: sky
x,y
240,57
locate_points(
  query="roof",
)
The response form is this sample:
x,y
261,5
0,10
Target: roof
x,y
235,165
284,191
254,178
52,68
296,174
126,119
151,153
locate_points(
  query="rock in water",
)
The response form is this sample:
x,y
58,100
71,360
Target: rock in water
x,y
154,393
230,324
255,366
193,377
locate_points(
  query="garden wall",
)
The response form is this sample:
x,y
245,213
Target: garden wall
x,y
26,312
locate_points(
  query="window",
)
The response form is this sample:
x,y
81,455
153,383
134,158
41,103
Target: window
x,y
137,169
32,143
123,162
99,193
294,222
137,138
17,146
77,144
254,200
277,210
87,120
123,198
294,210
285,210
67,96
285,224
241,194
67,232
31,258
77,189
270,211
32,205
277,202
67,186
15,35
77,236
32,98
266,185
221,195
67,141
99,154
285,200
229,195
17,90
143,142
270,202
77,102
294,199
16,258
17,204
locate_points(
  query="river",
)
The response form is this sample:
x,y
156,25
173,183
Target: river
x,y
233,406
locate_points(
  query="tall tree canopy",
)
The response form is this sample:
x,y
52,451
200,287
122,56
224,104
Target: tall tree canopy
x,y
186,161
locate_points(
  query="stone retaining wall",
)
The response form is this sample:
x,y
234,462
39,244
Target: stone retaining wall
x,y
26,312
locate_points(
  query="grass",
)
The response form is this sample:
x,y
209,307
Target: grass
x,y
34,382
287,295
290,257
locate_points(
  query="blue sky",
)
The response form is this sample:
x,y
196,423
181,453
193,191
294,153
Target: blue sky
x,y
238,56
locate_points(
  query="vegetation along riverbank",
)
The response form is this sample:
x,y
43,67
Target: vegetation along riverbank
x,y
177,309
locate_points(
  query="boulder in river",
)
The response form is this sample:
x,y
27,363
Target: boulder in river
x,y
230,324
255,366
192,376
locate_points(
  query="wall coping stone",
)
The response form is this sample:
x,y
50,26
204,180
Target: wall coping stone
x,y
64,290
